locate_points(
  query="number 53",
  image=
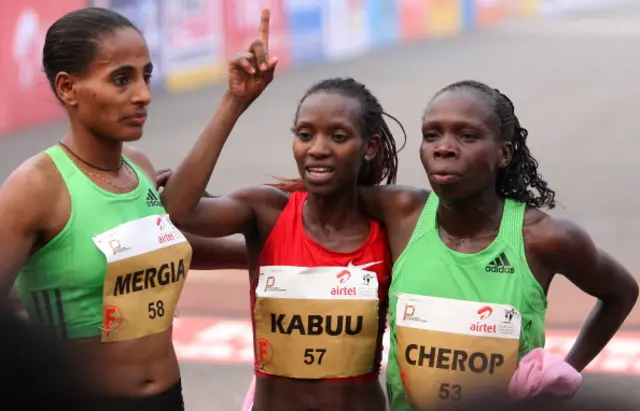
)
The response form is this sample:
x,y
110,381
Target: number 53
x,y
451,392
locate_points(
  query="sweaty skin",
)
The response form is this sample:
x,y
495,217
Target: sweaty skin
x,y
334,222
460,136
35,204
327,132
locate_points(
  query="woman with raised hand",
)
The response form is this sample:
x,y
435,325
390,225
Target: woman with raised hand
x,y
319,266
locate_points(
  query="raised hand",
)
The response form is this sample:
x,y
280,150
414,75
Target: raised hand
x,y
250,72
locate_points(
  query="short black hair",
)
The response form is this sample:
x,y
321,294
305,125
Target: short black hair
x,y
72,41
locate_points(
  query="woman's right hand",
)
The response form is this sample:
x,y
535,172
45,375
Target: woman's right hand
x,y
250,72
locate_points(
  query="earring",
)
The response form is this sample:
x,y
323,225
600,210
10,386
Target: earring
x,y
368,158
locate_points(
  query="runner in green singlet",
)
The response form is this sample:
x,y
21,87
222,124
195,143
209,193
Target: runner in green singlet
x,y
474,259
100,264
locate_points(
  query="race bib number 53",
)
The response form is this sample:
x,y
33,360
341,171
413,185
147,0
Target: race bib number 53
x,y
451,350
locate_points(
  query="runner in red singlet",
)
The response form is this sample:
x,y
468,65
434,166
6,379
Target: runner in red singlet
x,y
321,267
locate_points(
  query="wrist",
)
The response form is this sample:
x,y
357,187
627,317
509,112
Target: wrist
x,y
233,103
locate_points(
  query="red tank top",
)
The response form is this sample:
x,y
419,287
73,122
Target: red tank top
x,y
345,306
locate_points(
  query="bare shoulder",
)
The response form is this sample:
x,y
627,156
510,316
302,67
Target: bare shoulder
x,y
259,196
31,188
405,198
390,201
552,239
140,159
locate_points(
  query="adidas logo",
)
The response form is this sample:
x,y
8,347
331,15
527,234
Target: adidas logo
x,y
501,264
152,199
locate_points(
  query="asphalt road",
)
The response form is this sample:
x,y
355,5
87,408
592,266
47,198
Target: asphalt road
x,y
574,81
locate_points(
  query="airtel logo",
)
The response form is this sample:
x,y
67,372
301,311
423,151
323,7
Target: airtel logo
x,y
160,223
485,312
343,276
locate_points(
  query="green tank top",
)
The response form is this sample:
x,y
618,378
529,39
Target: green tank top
x,y
61,285
498,274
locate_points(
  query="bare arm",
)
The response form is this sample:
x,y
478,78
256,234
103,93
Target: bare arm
x,y
208,253
249,73
162,176
232,205
212,253
565,248
23,197
218,253
183,191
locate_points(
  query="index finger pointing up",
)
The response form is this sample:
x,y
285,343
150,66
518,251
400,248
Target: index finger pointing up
x,y
263,32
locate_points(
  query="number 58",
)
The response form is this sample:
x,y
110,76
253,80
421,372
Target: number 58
x,y
156,309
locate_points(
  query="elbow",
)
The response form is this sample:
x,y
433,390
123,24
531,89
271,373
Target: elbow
x,y
178,212
631,293
626,297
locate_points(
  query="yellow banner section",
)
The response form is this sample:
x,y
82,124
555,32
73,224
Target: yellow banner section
x,y
444,17
192,79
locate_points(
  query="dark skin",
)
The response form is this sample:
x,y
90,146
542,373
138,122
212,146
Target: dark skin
x,y
106,107
327,134
462,152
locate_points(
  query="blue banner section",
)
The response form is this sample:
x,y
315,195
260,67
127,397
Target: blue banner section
x,y
383,22
305,19
468,14
147,16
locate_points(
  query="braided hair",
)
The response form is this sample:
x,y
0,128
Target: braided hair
x,y
520,177
384,166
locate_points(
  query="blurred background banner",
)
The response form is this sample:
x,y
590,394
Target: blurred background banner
x,y
25,96
562,6
193,43
413,19
382,22
305,19
444,17
486,12
147,16
241,19
345,28
521,8
191,40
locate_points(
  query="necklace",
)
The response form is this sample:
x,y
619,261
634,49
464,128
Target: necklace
x,y
106,180
100,177
88,163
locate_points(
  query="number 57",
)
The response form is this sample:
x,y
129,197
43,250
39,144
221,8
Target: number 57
x,y
310,358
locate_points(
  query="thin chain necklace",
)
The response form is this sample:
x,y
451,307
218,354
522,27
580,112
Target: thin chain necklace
x,y
91,165
98,176
106,180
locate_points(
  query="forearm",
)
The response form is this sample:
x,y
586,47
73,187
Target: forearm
x,y
228,253
603,322
188,182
